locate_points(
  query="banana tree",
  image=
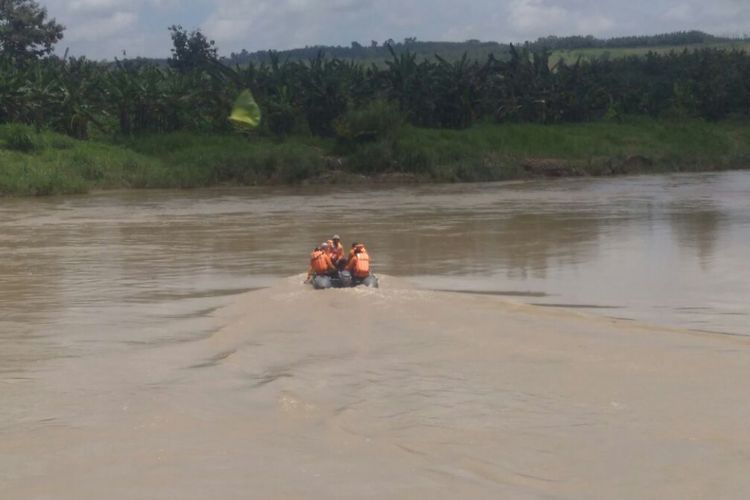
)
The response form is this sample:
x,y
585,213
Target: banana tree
x,y
456,87
14,102
324,97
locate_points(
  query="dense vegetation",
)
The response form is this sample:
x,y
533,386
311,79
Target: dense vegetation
x,y
327,97
333,107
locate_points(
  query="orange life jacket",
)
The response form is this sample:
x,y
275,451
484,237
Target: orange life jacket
x,y
319,262
361,265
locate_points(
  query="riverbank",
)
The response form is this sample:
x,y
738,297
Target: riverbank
x,y
47,163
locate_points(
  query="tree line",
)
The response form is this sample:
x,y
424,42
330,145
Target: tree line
x,y
676,38
374,51
330,96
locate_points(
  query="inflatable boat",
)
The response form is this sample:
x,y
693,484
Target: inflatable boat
x,y
343,279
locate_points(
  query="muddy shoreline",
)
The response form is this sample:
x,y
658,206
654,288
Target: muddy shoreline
x,y
530,168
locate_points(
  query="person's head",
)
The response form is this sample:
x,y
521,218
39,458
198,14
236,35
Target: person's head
x,y
359,248
354,245
324,245
336,239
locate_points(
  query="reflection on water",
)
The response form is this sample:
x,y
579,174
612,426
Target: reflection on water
x,y
697,230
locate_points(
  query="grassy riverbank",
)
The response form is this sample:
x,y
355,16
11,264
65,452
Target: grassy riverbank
x,y
47,163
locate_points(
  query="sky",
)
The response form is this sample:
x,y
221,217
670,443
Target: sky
x,y
104,29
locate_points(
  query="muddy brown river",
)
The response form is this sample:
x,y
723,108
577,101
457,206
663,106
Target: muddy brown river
x,y
582,338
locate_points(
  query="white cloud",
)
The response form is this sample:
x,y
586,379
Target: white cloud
x,y
530,19
537,17
682,12
93,5
103,28
720,17
285,23
595,25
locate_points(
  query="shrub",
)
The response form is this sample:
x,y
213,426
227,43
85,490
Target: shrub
x,y
20,138
297,165
373,158
280,118
61,142
375,121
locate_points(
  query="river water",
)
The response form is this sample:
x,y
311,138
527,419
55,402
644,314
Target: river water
x,y
161,345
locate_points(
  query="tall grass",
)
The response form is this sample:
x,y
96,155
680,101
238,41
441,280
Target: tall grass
x,y
57,164
203,160
494,152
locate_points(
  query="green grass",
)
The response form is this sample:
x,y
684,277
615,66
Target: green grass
x,y
571,56
57,164
205,160
495,152
49,163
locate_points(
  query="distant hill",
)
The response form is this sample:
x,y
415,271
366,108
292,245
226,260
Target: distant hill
x,y
573,48
377,53
572,55
677,38
569,48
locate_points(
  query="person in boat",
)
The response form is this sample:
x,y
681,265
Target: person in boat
x,y
359,263
329,249
320,262
351,250
337,249
334,255
344,261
